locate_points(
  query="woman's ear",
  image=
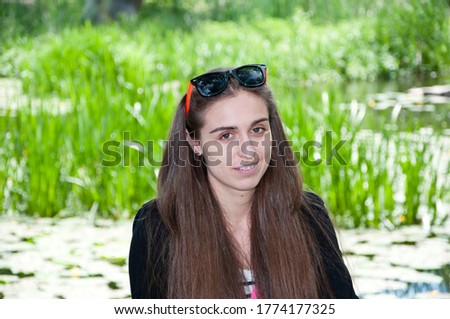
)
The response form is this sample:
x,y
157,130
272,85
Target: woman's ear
x,y
195,144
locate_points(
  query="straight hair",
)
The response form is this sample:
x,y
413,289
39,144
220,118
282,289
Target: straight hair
x,y
202,256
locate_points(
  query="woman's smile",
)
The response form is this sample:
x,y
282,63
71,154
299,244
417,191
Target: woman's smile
x,y
247,169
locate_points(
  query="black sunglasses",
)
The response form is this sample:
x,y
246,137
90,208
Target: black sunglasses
x,y
214,83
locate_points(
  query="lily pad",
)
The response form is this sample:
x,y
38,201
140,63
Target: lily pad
x,y
6,271
29,240
113,285
117,261
22,274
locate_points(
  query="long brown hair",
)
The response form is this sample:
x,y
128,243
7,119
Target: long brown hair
x,y
202,258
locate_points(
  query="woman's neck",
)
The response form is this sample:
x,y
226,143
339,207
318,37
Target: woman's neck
x,y
236,207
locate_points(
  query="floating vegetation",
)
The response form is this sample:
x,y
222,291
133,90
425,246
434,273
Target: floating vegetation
x,y
29,240
6,271
113,285
116,261
19,274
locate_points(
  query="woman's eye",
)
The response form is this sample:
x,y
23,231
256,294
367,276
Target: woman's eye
x,y
225,136
259,130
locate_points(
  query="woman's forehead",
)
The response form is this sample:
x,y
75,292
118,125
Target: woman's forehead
x,y
238,111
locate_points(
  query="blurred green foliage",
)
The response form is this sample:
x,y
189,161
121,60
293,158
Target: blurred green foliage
x,y
87,85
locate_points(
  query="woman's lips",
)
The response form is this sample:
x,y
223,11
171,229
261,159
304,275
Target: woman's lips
x,y
246,169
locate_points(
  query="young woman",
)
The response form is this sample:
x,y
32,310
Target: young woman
x,y
231,219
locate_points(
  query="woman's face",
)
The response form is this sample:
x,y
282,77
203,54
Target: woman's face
x,y
236,143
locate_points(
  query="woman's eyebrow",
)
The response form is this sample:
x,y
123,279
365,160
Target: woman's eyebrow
x,y
230,128
260,120
223,128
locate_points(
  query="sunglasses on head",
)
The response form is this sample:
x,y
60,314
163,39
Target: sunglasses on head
x,y
214,83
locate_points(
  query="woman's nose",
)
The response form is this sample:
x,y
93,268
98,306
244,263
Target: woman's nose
x,y
247,147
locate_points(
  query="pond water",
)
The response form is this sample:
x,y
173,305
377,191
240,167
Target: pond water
x,y
408,262
83,258
414,289
380,99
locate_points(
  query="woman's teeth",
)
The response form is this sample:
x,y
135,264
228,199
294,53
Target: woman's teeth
x,y
247,167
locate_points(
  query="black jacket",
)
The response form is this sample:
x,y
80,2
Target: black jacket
x,y
151,282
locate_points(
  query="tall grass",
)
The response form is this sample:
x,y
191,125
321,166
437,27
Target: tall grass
x,y
122,82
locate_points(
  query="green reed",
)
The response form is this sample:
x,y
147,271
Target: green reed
x,y
121,83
